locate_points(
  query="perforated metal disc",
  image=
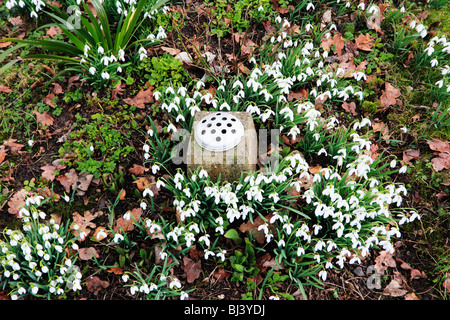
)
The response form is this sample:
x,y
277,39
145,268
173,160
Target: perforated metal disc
x,y
219,131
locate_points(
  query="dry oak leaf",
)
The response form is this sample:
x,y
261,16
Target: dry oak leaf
x,y
84,224
94,284
44,118
5,44
389,95
2,155
68,180
383,261
336,40
411,154
128,224
17,21
441,162
439,145
17,201
5,89
192,269
13,146
57,88
87,253
301,94
364,42
252,228
395,289
83,182
137,170
53,31
171,51
350,107
141,98
48,173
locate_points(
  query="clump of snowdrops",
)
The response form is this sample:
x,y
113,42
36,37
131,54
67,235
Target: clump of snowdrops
x,y
312,221
38,260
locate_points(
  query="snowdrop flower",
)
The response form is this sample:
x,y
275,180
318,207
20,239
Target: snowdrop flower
x,y
208,253
33,14
310,6
434,62
393,163
146,192
92,70
105,75
362,6
403,169
117,238
172,128
175,283
308,27
155,168
100,50
199,85
142,53
156,95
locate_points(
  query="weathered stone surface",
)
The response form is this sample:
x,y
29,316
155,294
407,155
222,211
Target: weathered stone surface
x,y
230,163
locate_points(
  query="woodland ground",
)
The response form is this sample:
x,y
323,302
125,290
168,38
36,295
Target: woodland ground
x,y
53,118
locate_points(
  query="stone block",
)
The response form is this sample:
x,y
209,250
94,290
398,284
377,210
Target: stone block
x,y
229,164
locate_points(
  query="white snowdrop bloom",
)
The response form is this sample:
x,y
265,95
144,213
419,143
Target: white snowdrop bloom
x,y
361,6
118,237
403,169
434,62
208,253
155,168
148,192
199,85
105,75
33,14
393,163
308,27
310,6
172,128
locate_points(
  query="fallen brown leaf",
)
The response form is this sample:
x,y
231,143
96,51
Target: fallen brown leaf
x,y
84,223
137,170
364,42
389,96
395,289
171,51
439,145
17,21
44,118
383,261
411,154
48,173
5,89
142,97
350,108
441,162
192,269
17,201
416,274
336,40
87,253
68,180
13,146
94,284
53,31
128,225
